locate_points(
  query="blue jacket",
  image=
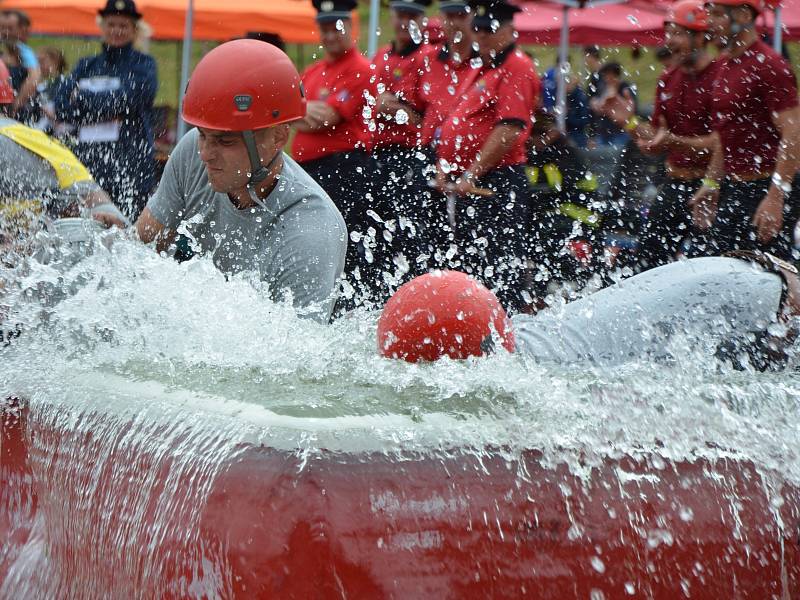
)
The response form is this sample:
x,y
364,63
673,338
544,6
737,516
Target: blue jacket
x,y
124,168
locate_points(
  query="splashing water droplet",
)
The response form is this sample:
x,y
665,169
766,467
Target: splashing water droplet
x,y
598,564
415,32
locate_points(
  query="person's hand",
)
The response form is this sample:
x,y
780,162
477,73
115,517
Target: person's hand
x,y
388,104
440,183
319,113
703,207
768,218
618,109
464,185
109,220
656,144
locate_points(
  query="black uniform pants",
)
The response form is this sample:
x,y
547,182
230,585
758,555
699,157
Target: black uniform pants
x,y
403,199
668,224
347,177
491,233
733,228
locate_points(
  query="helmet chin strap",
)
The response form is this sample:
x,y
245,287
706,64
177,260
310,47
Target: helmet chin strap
x,y
258,172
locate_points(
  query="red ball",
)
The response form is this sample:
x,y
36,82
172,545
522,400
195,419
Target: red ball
x,y
442,313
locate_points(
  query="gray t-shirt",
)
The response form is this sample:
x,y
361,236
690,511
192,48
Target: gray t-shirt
x,y
27,176
297,243
637,318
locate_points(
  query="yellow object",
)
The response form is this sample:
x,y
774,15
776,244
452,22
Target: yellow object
x,y
579,213
551,172
588,183
554,178
69,170
710,183
632,123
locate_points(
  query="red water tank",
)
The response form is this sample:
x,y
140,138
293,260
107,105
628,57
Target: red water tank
x,y
268,523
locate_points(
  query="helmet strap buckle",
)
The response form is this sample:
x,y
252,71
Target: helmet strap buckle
x,y
258,172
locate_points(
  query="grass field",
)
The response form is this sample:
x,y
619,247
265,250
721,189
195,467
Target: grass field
x,y
642,72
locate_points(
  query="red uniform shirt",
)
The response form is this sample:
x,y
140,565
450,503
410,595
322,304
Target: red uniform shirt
x,y
683,100
400,73
339,83
440,84
748,90
506,92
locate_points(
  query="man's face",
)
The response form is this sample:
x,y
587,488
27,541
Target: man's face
x,y
593,63
678,39
721,20
457,29
9,27
402,23
612,80
118,30
336,37
491,42
225,155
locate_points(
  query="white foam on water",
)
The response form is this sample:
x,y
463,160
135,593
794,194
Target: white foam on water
x,y
141,317
149,357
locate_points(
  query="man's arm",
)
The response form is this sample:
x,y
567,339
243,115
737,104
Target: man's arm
x,y
768,218
502,138
27,90
149,229
704,203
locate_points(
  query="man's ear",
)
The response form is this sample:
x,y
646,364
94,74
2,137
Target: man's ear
x,y
281,135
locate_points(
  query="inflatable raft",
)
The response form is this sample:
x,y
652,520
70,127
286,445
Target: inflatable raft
x,y
96,503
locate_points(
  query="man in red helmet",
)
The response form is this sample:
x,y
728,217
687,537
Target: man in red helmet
x,y
747,198
235,194
680,127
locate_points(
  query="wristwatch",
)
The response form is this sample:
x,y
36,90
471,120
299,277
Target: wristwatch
x,y
784,186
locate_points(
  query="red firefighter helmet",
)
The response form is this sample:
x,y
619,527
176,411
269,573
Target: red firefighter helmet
x,y
444,313
690,14
756,5
244,85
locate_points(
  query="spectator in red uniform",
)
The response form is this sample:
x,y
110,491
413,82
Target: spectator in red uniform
x,y
481,153
747,197
441,93
331,142
397,137
680,127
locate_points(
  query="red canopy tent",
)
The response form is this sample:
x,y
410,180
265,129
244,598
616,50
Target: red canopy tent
x,y
605,24
620,22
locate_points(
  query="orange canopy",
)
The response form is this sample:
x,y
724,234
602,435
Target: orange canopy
x,y
213,19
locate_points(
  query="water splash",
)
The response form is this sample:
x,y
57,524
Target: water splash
x,y
165,387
